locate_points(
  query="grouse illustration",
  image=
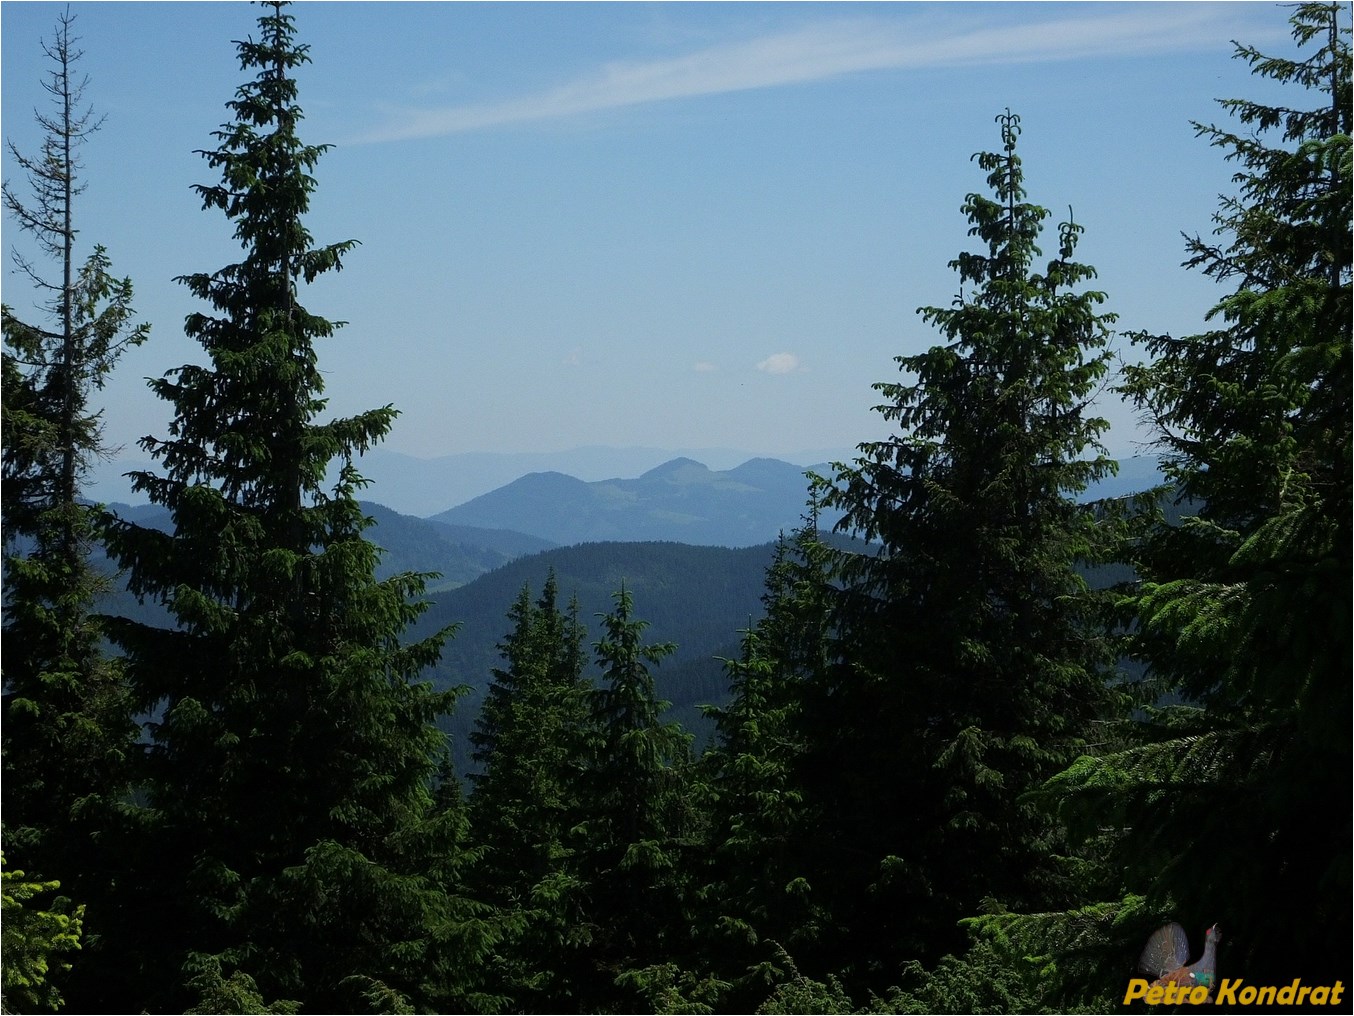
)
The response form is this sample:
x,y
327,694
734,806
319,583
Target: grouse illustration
x,y
1166,955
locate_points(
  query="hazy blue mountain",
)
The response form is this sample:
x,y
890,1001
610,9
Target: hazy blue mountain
x,y
681,500
503,541
457,553
424,486
152,516
698,596
1135,476
419,486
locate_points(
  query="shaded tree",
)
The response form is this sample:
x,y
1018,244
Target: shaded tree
x,y
637,817
1233,800
68,733
969,656
530,746
755,905
527,740
293,747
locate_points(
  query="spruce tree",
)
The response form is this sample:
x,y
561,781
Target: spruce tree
x,y
1233,805
527,738
529,745
68,730
292,746
968,654
630,847
753,906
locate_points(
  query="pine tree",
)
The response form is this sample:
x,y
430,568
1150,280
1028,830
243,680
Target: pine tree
x,y
68,731
968,654
293,750
1234,803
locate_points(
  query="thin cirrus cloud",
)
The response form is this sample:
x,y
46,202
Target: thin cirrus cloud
x,y
824,51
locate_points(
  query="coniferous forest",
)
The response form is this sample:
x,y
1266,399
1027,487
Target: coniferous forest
x,y
950,776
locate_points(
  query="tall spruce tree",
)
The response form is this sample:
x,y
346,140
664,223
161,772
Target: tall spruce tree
x,y
530,745
969,656
752,906
1234,803
637,817
292,747
527,739
68,730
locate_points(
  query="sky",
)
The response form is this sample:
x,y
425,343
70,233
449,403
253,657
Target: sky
x,y
667,225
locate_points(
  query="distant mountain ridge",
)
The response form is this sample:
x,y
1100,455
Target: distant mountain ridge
x,y
681,500
685,501
454,554
422,487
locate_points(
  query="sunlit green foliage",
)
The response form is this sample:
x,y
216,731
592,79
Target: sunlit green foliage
x,y
33,935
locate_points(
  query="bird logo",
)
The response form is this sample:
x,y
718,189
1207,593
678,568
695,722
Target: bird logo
x,y
1165,958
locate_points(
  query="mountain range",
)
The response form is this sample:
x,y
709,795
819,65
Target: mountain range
x,y
681,500
421,486
685,501
424,487
691,544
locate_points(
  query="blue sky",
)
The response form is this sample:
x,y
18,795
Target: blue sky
x,y
672,225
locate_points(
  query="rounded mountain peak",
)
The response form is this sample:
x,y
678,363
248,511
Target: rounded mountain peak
x,y
678,470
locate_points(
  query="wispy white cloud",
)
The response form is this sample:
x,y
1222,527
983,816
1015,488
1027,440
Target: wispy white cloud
x,y
780,363
704,367
829,50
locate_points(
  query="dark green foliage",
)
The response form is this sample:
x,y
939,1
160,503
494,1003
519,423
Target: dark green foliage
x,y
292,752
68,734
801,994
638,816
583,815
237,993
699,596
667,988
530,748
757,809
1235,804
968,656
983,980
529,742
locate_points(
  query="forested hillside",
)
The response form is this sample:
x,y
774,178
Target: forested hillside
x,y
696,597
945,772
